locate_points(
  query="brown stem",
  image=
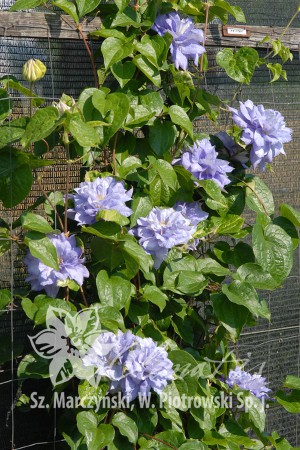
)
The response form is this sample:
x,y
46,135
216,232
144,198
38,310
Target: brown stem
x,y
159,440
49,201
90,54
47,145
84,297
136,5
258,197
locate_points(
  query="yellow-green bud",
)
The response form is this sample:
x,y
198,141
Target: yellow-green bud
x,y
33,70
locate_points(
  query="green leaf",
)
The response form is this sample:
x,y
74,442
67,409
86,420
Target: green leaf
x,y
112,215
232,316
84,133
166,172
33,366
37,310
13,131
152,101
113,50
5,104
86,6
242,293
273,249
15,178
121,4
209,265
172,438
290,213
185,365
106,230
152,47
113,291
162,136
141,206
289,228
292,382
148,69
255,275
239,65
35,222
290,402
229,224
96,436
20,5
11,82
89,395
128,17
190,283
242,253
213,196
138,254
259,198
256,411
111,318
235,11
123,72
87,423
155,296
159,192
107,252
114,107
129,165
42,123
192,444
180,117
5,299
235,433
68,7
126,426
277,71
42,248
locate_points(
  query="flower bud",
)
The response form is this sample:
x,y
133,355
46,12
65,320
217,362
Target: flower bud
x,y
65,104
33,70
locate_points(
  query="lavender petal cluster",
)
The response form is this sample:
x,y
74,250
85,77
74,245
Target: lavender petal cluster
x,y
187,40
202,161
165,228
133,365
71,266
264,129
255,383
191,211
94,196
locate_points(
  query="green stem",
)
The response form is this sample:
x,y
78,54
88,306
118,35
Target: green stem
x,y
30,99
290,22
66,143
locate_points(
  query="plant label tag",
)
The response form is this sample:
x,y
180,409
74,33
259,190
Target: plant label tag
x,y
235,31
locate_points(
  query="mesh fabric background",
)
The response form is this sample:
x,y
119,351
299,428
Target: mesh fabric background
x,y
275,344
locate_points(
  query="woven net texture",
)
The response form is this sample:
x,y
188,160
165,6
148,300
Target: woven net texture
x,y
273,346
